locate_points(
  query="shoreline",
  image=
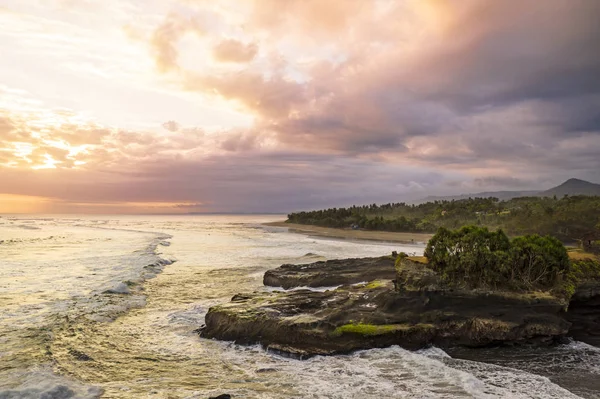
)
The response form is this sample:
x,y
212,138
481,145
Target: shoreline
x,y
349,234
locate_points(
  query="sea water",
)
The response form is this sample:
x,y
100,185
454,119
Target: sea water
x,y
108,307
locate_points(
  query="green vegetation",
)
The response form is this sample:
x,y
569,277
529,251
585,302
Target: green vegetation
x,y
371,330
399,258
585,268
569,219
375,284
366,329
476,257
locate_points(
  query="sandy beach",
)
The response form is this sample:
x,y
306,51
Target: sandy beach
x,y
353,234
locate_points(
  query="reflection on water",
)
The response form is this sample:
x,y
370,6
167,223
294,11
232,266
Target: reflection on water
x,y
58,328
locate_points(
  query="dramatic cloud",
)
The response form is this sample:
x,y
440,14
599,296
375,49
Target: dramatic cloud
x,y
279,105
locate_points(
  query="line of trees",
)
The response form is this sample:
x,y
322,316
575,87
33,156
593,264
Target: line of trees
x,y
569,218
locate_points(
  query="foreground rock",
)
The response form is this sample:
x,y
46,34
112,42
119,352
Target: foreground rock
x,y
584,313
331,273
419,312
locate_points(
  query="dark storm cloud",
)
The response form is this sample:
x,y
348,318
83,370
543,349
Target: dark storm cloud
x,y
502,52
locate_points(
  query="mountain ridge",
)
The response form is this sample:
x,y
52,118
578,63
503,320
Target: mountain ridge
x,y
572,186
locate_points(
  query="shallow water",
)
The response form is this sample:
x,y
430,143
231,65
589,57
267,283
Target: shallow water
x,y
107,306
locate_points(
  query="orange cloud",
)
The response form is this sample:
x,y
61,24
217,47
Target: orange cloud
x,y
234,51
314,18
165,37
271,98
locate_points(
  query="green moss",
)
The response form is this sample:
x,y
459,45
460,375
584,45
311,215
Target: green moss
x,y
370,330
367,329
375,284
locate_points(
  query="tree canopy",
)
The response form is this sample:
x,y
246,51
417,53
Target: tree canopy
x,y
476,257
568,218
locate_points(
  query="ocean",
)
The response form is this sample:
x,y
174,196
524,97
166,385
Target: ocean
x,y
107,306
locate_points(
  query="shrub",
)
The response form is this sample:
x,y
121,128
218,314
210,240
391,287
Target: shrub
x,y
581,270
477,257
469,255
537,261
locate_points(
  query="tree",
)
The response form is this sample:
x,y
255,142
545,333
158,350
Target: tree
x,y
477,257
537,261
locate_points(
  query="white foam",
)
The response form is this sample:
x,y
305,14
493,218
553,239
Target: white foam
x,y
579,355
580,346
433,352
41,383
384,373
304,287
410,374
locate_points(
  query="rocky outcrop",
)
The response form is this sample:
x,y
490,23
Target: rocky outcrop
x,y
414,310
331,273
377,314
412,274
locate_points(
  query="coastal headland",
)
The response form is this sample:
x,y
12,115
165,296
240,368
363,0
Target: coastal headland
x,y
529,292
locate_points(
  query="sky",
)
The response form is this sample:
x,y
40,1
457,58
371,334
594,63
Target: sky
x,y
177,106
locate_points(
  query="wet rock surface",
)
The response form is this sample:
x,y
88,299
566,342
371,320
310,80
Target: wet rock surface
x,y
331,273
414,311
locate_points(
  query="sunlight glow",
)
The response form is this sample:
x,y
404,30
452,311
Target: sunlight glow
x,y
14,203
49,164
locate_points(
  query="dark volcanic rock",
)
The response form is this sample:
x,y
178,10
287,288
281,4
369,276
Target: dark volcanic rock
x,y
331,272
372,315
415,310
584,313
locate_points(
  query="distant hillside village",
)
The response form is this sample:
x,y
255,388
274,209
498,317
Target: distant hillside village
x,y
570,218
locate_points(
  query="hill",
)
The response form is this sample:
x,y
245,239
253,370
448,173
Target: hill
x,y
570,187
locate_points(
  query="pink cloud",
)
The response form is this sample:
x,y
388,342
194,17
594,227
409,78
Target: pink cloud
x,y
234,51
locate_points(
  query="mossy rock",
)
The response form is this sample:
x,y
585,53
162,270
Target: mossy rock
x,y
414,275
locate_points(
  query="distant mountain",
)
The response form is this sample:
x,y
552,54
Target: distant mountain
x,y
573,187
570,187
